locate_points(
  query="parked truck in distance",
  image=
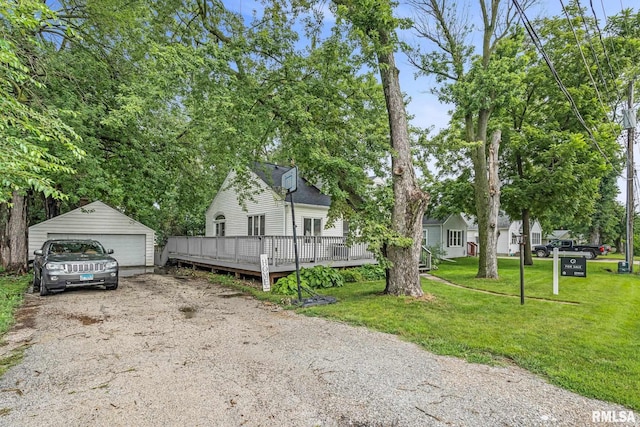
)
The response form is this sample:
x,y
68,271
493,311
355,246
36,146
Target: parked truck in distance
x,y
592,251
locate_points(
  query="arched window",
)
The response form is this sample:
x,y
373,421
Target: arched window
x,y
219,223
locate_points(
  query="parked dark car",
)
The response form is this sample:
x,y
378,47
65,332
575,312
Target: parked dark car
x,y
569,245
62,264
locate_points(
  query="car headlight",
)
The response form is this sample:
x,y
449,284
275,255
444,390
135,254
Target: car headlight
x,y
54,266
111,264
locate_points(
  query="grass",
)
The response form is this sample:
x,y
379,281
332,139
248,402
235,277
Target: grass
x,y
12,290
590,347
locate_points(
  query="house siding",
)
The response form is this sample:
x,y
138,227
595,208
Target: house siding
x,y
505,247
266,202
455,222
436,236
93,219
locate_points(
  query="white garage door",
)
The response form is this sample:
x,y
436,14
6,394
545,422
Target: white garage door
x,y
128,249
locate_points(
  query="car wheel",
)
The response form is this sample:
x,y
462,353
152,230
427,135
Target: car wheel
x,y
541,253
112,287
43,289
594,255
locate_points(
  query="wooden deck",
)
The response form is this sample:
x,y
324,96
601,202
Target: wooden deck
x,y
241,254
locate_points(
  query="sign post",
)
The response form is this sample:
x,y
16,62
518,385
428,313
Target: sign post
x,y
521,242
264,269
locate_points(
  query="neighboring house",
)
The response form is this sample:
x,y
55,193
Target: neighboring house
x,y
131,241
450,235
269,214
508,232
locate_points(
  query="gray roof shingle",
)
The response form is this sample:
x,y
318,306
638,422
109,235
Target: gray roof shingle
x,y
306,194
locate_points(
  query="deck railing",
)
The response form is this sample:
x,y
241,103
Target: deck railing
x,y
425,259
279,249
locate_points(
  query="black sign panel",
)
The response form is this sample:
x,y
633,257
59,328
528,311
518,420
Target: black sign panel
x,y
573,266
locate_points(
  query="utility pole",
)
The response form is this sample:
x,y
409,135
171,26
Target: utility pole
x,y
630,125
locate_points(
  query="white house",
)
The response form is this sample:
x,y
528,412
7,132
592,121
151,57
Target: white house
x,y
131,241
450,235
269,213
508,232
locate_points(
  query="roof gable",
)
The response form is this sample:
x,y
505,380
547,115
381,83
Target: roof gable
x,y
89,208
306,193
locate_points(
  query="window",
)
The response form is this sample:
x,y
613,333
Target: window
x,y
345,228
454,238
255,225
536,239
514,239
219,223
312,226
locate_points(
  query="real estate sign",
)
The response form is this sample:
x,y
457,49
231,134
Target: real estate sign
x,y
574,266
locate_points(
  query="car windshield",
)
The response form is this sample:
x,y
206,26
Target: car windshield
x,y
76,248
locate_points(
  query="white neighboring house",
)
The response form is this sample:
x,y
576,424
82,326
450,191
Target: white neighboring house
x,y
131,241
450,235
508,232
269,214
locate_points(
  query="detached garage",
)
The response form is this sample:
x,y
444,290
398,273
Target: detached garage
x,y
131,241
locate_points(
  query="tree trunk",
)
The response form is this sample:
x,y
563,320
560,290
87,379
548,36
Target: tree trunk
x,y
13,241
410,201
51,206
494,207
487,193
526,233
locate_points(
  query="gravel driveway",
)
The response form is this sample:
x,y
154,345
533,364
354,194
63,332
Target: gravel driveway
x,y
164,351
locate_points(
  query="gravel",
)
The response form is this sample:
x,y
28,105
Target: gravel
x,y
165,351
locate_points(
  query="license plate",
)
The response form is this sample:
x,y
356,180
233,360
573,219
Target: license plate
x,y
86,277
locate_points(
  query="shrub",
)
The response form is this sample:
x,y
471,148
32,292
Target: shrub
x,y
322,276
314,278
351,275
288,285
372,272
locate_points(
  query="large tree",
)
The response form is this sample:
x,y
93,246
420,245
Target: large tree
x,y
375,22
477,85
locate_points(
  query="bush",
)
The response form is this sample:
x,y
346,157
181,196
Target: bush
x,y
314,278
351,275
287,285
321,276
371,272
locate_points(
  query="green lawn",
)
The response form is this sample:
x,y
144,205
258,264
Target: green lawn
x,y
591,347
12,290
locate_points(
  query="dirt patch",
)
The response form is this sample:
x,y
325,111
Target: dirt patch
x,y
84,319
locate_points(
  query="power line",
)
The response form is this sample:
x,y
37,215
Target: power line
x,y
593,50
606,54
584,60
538,44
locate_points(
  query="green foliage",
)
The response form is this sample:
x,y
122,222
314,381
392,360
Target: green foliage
x,y
318,277
371,272
27,130
322,276
351,275
12,290
287,285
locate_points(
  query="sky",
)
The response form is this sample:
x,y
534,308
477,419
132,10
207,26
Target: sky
x,y
426,109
